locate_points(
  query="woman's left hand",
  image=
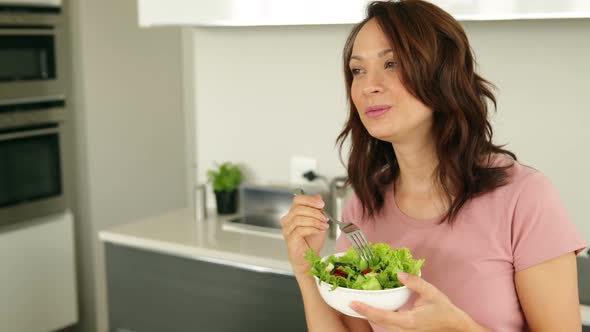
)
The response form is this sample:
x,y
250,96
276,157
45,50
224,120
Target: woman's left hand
x,y
432,311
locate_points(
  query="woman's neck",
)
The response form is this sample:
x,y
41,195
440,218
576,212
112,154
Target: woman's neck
x,y
417,162
418,192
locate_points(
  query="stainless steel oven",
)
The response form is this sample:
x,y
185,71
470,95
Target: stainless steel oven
x,y
32,60
31,161
32,113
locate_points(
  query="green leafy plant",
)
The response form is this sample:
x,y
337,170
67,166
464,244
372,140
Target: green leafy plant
x,y
225,177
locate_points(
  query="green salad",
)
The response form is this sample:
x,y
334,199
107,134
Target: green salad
x,y
351,271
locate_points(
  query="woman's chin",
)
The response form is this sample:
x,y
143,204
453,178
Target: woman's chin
x,y
380,134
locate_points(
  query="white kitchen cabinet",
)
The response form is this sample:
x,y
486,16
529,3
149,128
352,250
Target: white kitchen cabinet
x,y
247,13
37,273
308,12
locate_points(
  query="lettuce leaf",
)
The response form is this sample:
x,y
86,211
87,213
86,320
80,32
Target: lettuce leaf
x,y
351,271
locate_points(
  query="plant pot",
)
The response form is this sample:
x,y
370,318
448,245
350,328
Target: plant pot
x,y
227,202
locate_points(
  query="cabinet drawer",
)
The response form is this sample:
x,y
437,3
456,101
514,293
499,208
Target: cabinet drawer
x,y
154,292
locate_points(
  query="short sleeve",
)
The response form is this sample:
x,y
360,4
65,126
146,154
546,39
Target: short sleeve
x,y
541,228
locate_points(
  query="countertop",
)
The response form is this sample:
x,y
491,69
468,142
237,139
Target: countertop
x,y
213,239
216,240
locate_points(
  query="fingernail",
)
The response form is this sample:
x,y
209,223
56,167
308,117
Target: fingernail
x,y
325,226
402,276
321,204
355,306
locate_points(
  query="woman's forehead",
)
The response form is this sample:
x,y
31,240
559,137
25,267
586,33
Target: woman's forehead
x,y
370,40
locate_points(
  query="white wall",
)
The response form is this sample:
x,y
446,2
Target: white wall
x,y
264,94
543,74
128,114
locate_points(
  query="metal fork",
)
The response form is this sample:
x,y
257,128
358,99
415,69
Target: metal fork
x,y
352,232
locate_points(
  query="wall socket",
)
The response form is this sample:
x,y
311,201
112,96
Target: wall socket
x,y
300,165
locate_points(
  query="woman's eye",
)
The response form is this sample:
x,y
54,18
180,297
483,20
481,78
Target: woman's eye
x,y
390,64
355,71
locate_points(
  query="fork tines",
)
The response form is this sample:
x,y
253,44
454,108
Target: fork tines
x,y
360,243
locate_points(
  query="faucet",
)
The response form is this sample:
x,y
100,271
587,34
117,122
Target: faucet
x,y
337,191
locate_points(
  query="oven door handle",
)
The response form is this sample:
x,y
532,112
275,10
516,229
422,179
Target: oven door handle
x,y
28,133
27,32
32,100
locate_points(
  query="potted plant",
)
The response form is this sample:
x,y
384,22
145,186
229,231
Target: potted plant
x,y
225,179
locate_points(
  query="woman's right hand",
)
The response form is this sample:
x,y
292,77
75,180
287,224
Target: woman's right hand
x,y
304,226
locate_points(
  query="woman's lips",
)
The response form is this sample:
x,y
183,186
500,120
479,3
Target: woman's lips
x,y
377,110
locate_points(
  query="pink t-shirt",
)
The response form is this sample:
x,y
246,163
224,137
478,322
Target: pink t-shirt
x,y
495,235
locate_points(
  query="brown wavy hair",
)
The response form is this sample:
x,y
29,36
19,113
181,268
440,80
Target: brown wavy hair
x,y
438,68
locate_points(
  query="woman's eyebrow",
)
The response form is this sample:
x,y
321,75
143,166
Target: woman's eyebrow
x,y
380,54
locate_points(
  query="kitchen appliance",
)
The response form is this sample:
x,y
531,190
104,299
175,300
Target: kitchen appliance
x,y
31,3
32,113
31,163
32,63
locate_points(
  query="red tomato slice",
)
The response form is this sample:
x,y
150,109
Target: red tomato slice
x,y
340,273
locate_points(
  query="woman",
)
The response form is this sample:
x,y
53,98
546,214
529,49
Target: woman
x,y
499,248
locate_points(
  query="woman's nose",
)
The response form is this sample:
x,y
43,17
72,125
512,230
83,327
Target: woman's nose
x,y
374,85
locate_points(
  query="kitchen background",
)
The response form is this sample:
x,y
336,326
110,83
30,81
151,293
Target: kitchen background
x,y
153,108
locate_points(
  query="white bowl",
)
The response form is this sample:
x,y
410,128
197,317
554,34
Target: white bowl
x,y
341,297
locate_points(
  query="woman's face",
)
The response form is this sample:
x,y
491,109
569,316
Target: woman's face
x,y
388,111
